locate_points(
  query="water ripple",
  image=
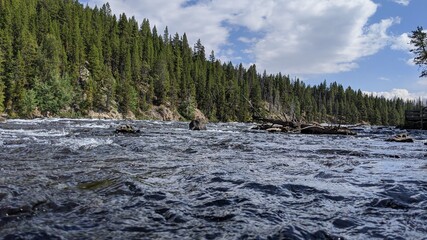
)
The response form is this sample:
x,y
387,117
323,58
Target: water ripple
x,y
77,179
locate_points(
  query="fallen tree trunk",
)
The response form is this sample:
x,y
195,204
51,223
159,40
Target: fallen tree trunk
x,y
277,125
327,130
271,122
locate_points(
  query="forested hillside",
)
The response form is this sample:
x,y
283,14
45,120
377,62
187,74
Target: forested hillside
x,y
61,58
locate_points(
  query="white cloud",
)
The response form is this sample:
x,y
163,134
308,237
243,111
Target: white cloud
x,y
402,42
410,62
293,36
247,40
400,93
402,2
321,36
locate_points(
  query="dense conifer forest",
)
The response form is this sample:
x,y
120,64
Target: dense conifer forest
x,y
61,58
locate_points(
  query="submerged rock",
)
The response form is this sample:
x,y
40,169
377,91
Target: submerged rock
x,y
403,137
126,129
197,125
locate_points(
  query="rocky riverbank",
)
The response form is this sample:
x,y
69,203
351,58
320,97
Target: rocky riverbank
x,y
160,113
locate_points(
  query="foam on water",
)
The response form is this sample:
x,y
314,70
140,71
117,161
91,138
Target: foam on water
x,y
76,143
33,133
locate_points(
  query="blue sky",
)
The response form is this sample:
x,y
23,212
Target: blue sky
x,y
358,43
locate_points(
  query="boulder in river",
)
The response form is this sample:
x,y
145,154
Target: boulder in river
x,y
127,129
197,125
403,137
3,118
274,130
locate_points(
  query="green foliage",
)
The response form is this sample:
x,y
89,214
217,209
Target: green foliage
x,y
161,81
29,103
53,95
2,96
187,108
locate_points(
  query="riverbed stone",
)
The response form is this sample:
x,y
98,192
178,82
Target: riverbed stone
x,y
126,129
197,125
403,138
274,130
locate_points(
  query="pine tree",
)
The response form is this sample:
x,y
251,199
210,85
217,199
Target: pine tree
x,y
177,70
18,85
53,95
127,102
187,84
161,80
147,44
255,90
2,85
29,103
419,40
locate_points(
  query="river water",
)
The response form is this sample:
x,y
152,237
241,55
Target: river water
x,y
77,179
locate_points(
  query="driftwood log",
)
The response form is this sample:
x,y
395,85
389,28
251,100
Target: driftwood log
x,y
277,125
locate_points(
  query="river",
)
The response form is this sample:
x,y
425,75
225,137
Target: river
x,y
78,179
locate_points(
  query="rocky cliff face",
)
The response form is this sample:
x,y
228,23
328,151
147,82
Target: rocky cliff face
x,y
105,115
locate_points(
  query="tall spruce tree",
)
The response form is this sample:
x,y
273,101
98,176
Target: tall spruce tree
x,y
419,40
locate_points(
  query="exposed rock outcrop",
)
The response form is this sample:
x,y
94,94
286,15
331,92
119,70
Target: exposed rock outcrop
x,y
84,74
127,129
163,113
198,115
105,115
197,125
403,137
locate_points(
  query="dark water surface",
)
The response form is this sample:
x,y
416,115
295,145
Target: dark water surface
x,y
77,179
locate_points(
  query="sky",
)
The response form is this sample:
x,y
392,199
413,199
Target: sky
x,y
363,44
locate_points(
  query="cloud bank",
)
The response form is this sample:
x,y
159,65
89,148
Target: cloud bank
x,y
401,42
402,2
292,36
400,93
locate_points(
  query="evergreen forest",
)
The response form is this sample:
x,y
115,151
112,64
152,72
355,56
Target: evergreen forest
x,y
61,58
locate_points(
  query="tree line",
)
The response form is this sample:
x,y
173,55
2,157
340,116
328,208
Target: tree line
x,y
62,58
